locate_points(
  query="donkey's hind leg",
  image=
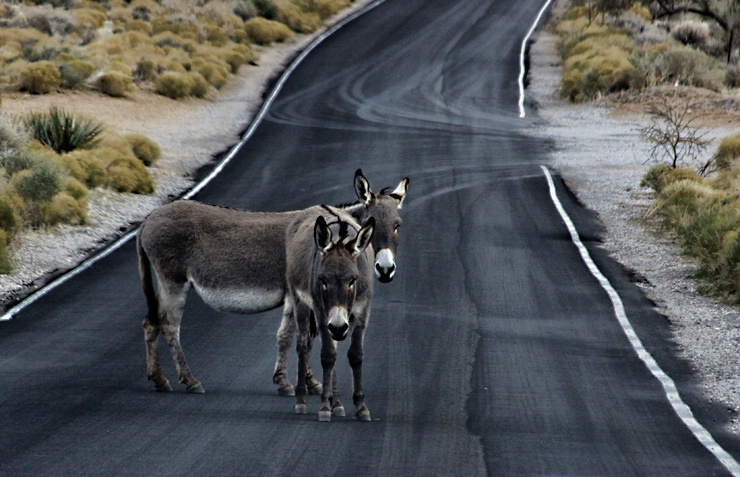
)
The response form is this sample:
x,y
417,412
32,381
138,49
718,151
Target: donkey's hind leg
x,y
284,340
153,370
172,302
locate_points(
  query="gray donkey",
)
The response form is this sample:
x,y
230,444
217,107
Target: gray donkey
x,y
235,260
330,280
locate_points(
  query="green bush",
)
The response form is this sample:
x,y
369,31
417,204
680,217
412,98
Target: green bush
x,y
174,85
62,131
146,150
76,189
40,78
10,217
128,174
263,31
40,183
146,70
115,83
215,74
18,162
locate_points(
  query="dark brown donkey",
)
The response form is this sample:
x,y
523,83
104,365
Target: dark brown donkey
x,y
330,280
235,260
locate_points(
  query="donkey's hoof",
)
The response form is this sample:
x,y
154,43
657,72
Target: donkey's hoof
x,y
164,387
196,388
299,409
315,388
363,415
338,411
324,415
288,390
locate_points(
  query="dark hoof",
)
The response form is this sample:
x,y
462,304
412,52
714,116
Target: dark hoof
x,y
315,388
196,388
363,415
288,390
164,387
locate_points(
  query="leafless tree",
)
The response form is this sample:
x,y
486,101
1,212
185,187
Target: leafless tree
x,y
673,134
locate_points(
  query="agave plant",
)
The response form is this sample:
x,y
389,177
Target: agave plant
x,y
63,131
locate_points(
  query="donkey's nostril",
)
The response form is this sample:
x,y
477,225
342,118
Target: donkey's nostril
x,y
338,333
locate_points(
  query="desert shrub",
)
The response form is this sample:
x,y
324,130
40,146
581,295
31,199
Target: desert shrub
x,y
170,39
214,73
40,78
63,209
40,183
13,136
691,33
84,166
215,35
16,163
599,70
146,70
662,175
727,152
139,26
690,67
75,72
10,217
146,150
266,8
128,174
296,18
76,189
246,9
115,83
679,202
263,32
200,87
174,85
704,234
236,58
6,261
62,131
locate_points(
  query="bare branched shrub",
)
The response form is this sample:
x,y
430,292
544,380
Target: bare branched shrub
x,y
691,33
673,134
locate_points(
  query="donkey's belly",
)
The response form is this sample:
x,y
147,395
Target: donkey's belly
x,y
241,300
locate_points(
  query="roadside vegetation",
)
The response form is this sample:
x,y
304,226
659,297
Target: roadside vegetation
x,y
667,55
51,160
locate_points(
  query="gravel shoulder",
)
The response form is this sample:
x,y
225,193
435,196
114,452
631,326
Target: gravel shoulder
x,y
599,153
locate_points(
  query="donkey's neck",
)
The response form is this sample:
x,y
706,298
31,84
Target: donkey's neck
x,y
354,209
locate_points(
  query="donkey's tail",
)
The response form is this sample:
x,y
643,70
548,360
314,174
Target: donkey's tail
x,y
147,283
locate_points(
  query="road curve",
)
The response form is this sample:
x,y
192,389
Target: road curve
x,y
493,352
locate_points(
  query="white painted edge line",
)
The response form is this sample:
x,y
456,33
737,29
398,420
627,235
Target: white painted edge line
x,y
20,306
669,387
522,52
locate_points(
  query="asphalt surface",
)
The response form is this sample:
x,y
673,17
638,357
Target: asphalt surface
x,y
493,352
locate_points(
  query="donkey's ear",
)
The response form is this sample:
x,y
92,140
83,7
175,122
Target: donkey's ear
x,y
363,237
400,192
362,188
322,235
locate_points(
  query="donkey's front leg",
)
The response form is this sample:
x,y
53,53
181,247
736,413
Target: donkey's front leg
x,y
328,360
355,356
300,318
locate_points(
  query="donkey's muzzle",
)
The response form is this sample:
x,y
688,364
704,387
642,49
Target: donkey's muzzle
x,y
338,323
385,266
338,333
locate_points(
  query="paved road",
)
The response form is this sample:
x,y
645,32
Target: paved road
x,y
493,352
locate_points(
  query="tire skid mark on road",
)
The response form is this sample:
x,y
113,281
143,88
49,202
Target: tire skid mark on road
x,y
669,387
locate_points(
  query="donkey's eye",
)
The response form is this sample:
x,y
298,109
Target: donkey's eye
x,y
324,286
395,229
352,284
